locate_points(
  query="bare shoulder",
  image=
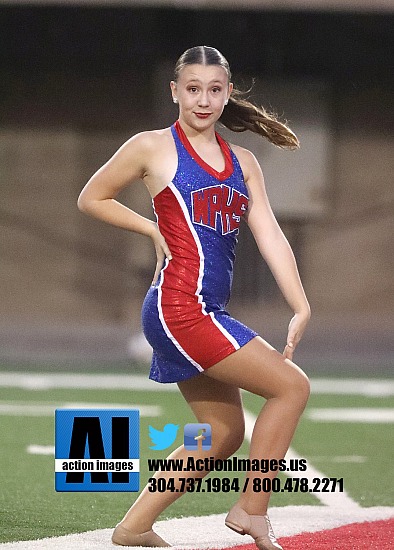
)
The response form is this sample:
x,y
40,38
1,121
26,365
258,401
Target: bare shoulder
x,y
139,155
249,164
148,141
151,157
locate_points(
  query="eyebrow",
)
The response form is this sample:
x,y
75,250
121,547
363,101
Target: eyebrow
x,y
210,82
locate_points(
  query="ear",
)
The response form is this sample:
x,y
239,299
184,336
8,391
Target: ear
x,y
173,89
230,89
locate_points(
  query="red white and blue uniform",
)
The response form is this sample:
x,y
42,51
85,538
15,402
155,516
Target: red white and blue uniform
x,y
184,315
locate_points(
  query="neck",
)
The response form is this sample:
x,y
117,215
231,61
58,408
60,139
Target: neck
x,y
203,135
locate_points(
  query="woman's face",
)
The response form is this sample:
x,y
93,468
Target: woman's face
x,y
201,91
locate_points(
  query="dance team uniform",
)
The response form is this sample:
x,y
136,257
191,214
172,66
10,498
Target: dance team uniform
x,y
183,316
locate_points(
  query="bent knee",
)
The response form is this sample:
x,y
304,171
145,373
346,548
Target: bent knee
x,y
301,388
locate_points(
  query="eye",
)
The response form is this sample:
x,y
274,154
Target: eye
x,y
193,89
216,89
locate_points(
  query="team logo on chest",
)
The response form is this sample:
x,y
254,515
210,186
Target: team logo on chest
x,y
218,205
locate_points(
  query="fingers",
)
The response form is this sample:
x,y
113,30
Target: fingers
x,y
296,329
156,274
162,252
293,337
167,251
161,246
289,351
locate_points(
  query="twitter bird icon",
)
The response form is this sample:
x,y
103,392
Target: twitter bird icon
x,y
162,440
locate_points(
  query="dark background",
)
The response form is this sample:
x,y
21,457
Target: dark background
x,y
351,51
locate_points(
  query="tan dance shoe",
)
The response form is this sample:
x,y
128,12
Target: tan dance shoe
x,y
258,527
123,537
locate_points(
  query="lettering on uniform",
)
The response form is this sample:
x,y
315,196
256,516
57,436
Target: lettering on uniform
x,y
220,204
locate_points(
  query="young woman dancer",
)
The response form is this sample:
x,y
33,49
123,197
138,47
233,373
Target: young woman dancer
x,y
201,188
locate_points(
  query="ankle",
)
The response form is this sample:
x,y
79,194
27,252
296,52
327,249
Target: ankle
x,y
134,527
250,509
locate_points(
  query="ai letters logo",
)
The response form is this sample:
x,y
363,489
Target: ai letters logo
x,y
197,436
96,450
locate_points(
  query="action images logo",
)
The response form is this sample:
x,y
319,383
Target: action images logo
x,y
219,202
96,450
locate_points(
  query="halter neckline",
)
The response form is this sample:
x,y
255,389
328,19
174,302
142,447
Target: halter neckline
x,y
228,161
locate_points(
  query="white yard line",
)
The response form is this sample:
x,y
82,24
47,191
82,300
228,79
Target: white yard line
x,y
364,415
27,408
47,381
353,386
45,450
133,382
335,499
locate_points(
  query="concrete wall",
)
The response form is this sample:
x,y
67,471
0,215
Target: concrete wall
x,y
348,258
57,265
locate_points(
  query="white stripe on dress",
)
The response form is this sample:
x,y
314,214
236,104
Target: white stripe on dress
x,y
197,241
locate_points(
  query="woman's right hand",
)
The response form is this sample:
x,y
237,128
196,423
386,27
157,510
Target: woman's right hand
x,y
162,251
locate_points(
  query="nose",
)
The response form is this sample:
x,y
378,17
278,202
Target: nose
x,y
203,99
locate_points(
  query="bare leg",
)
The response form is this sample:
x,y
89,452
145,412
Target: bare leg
x,y
213,402
260,369
214,398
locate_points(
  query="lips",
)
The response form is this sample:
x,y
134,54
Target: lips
x,y
202,115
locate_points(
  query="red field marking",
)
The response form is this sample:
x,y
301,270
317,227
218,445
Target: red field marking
x,y
375,535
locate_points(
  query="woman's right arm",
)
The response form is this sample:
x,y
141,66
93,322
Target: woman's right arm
x,y
98,197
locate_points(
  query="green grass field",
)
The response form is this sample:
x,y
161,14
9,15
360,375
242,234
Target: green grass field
x,y
359,452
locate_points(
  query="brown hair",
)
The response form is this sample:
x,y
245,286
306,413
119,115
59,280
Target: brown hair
x,y
240,114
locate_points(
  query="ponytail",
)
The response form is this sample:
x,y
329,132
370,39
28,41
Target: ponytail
x,y
241,115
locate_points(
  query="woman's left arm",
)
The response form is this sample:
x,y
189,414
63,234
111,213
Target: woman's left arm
x,y
275,249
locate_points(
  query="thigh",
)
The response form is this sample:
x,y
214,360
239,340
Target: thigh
x,y
260,369
213,401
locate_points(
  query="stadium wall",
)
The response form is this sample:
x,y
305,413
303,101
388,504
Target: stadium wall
x,y
70,95
59,265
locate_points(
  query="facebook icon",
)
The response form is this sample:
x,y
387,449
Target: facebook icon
x,y
197,436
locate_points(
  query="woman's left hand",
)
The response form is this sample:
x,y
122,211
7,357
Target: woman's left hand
x,y
297,326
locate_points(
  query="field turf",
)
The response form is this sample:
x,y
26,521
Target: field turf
x,y
359,452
